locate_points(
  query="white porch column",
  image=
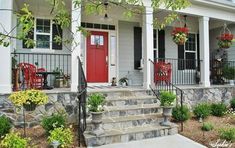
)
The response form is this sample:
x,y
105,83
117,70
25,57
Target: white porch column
x,y
147,45
5,56
76,46
204,50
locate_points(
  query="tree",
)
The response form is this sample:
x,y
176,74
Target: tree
x,y
62,15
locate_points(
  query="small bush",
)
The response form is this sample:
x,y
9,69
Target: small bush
x,y
207,126
13,140
62,135
232,103
218,109
52,122
227,134
180,114
5,126
167,98
202,110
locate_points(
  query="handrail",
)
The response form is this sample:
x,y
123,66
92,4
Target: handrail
x,y
168,87
81,95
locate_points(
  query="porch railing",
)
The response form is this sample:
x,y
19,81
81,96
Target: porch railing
x,y
217,70
50,61
82,95
183,71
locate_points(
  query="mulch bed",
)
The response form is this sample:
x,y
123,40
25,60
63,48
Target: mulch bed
x,y
38,137
192,129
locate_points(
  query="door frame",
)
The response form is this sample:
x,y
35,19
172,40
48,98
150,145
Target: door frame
x,y
112,72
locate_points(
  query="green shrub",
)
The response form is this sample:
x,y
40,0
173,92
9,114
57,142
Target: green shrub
x,y
52,122
180,114
218,109
96,102
13,140
207,126
202,110
5,125
232,103
227,134
63,135
167,98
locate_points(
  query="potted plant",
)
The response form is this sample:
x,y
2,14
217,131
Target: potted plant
x,y
180,35
95,105
123,81
229,73
59,78
166,99
29,99
225,40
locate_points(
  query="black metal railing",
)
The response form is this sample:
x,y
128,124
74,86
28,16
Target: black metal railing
x,y
183,71
167,86
49,61
218,71
82,95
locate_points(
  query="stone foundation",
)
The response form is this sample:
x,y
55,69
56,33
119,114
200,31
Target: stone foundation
x,y
193,96
58,102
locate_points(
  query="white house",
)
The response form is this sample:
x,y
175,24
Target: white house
x,y
118,46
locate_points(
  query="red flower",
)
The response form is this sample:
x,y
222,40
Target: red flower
x,y
180,30
225,37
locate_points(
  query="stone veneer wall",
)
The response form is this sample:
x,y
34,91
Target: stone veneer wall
x,y
194,95
57,102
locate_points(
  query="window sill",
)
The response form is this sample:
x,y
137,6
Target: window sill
x,y
42,50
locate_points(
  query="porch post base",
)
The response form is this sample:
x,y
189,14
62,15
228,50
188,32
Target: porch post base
x,y
74,87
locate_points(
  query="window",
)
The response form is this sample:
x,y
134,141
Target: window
x,y
43,33
187,53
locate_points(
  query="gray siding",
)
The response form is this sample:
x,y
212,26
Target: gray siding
x,y
126,53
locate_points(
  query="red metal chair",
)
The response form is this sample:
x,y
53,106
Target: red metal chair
x,y
162,72
31,79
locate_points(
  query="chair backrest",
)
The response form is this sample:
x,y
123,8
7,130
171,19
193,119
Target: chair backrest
x,y
162,68
29,71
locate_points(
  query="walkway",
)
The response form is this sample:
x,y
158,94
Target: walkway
x,y
174,141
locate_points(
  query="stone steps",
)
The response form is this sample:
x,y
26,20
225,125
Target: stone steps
x,y
128,121
128,116
131,100
130,134
128,110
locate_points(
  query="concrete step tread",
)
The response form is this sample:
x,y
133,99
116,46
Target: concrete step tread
x,y
132,107
129,118
131,130
123,98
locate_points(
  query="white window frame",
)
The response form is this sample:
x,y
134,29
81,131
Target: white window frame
x,y
35,49
190,51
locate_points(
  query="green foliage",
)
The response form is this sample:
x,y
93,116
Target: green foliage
x,y
202,110
229,72
218,109
5,125
232,103
51,122
62,135
13,140
96,102
167,98
227,133
207,126
180,114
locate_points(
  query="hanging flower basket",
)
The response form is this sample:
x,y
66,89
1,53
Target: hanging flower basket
x,y
225,40
180,35
30,107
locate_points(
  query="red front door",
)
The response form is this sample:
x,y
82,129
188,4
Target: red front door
x,y
97,57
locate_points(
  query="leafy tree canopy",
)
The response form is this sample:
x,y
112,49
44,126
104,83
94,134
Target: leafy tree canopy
x,y
62,16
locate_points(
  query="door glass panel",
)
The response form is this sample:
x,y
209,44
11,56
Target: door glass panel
x,y
97,40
